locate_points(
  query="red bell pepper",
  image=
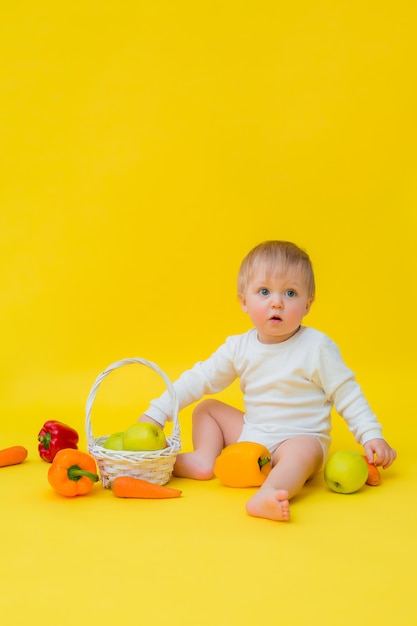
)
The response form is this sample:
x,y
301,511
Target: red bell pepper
x,y
55,436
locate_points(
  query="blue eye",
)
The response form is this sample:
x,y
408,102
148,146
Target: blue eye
x,y
290,293
264,291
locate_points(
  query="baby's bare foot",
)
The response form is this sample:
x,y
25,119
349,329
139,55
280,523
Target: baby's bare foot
x,y
270,504
193,465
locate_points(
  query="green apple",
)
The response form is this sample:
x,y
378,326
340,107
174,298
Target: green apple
x,y
144,436
114,442
346,471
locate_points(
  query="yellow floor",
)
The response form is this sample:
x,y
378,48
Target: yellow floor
x,y
200,559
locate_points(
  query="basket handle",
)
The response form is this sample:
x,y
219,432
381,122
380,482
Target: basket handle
x,y
121,363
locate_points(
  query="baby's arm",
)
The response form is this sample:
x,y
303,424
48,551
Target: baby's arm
x,y
146,418
340,385
385,455
204,378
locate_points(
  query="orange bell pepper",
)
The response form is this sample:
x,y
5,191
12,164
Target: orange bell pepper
x,y
243,464
72,473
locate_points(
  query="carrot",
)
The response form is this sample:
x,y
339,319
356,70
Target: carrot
x,y
129,487
374,477
12,456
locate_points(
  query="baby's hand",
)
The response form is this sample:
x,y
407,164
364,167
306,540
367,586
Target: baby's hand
x,y
385,455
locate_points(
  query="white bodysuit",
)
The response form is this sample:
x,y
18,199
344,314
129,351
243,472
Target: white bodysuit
x,y
289,388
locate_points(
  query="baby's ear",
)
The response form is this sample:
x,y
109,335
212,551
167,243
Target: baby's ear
x,y
242,301
309,304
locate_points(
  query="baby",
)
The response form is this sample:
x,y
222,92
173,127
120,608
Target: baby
x,y
290,375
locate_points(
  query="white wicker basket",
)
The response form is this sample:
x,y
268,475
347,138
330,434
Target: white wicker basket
x,y
154,466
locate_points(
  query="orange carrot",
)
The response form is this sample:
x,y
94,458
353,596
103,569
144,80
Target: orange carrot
x,y
129,487
374,477
12,456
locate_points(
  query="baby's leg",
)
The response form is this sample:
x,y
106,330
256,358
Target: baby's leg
x,y
294,462
215,425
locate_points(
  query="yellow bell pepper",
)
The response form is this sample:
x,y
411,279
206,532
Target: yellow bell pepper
x,y
243,464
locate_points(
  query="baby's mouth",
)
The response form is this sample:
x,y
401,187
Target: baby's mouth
x,y
276,318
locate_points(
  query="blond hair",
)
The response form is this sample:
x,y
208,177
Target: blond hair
x,y
277,256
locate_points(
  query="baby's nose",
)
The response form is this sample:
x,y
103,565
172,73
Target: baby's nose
x,y
277,300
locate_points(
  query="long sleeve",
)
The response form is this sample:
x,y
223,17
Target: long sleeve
x,y
205,378
342,390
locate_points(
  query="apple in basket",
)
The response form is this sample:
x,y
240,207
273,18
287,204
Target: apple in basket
x,y
114,442
144,436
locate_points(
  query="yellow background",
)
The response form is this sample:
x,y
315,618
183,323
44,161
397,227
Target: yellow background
x,y
145,148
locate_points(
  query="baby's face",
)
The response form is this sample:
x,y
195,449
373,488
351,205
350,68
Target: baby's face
x,y
276,303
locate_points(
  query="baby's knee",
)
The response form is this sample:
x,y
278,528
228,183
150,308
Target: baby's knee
x,y
205,408
306,449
